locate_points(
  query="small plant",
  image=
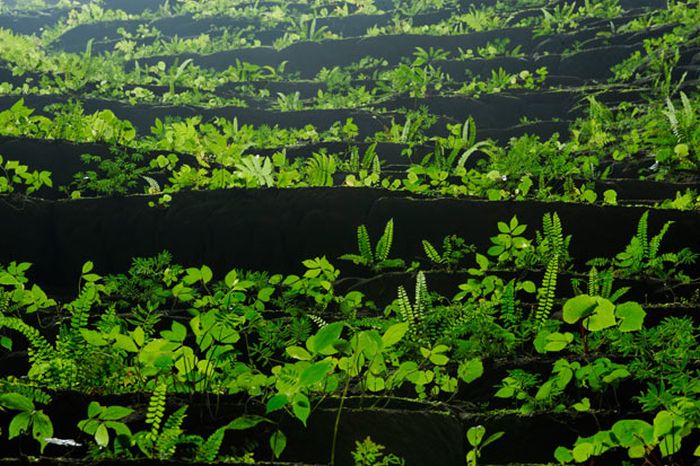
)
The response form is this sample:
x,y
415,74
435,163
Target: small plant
x,y
508,245
378,259
15,176
103,418
642,255
475,437
369,453
454,250
28,417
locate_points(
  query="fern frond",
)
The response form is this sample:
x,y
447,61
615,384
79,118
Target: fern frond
x,y
209,449
317,320
156,410
364,244
593,285
40,350
384,244
643,233
508,312
406,310
431,252
545,301
421,296
655,242
33,393
167,441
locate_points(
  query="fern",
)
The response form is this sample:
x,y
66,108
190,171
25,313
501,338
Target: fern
x,y
431,252
406,310
384,244
70,343
655,243
167,439
156,411
643,233
33,393
545,301
414,314
380,258
364,244
209,449
40,350
317,320
508,311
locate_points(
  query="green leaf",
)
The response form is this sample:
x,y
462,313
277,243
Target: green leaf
x,y
42,428
245,422
126,343
16,402
603,316
102,435
275,403
177,332
582,452
475,435
632,432
301,407
87,267
470,370
19,424
94,408
558,341
92,337
578,307
115,413
278,442
583,406
206,274
297,352
563,455
265,294
315,373
632,316
665,422
394,334
322,342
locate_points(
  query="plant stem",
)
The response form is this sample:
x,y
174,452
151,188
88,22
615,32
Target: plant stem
x,y
337,421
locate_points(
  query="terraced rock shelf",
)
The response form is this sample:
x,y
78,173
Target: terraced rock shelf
x,y
358,232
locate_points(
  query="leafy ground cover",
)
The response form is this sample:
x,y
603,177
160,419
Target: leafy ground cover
x,y
366,232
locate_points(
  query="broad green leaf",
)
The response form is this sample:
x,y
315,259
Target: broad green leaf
x,y
582,452
93,337
16,402
102,435
42,428
603,316
394,334
301,407
315,373
126,343
278,442
322,342
578,307
470,370
475,435
558,341
19,424
297,352
632,316
115,413
245,422
278,401
633,432
87,267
